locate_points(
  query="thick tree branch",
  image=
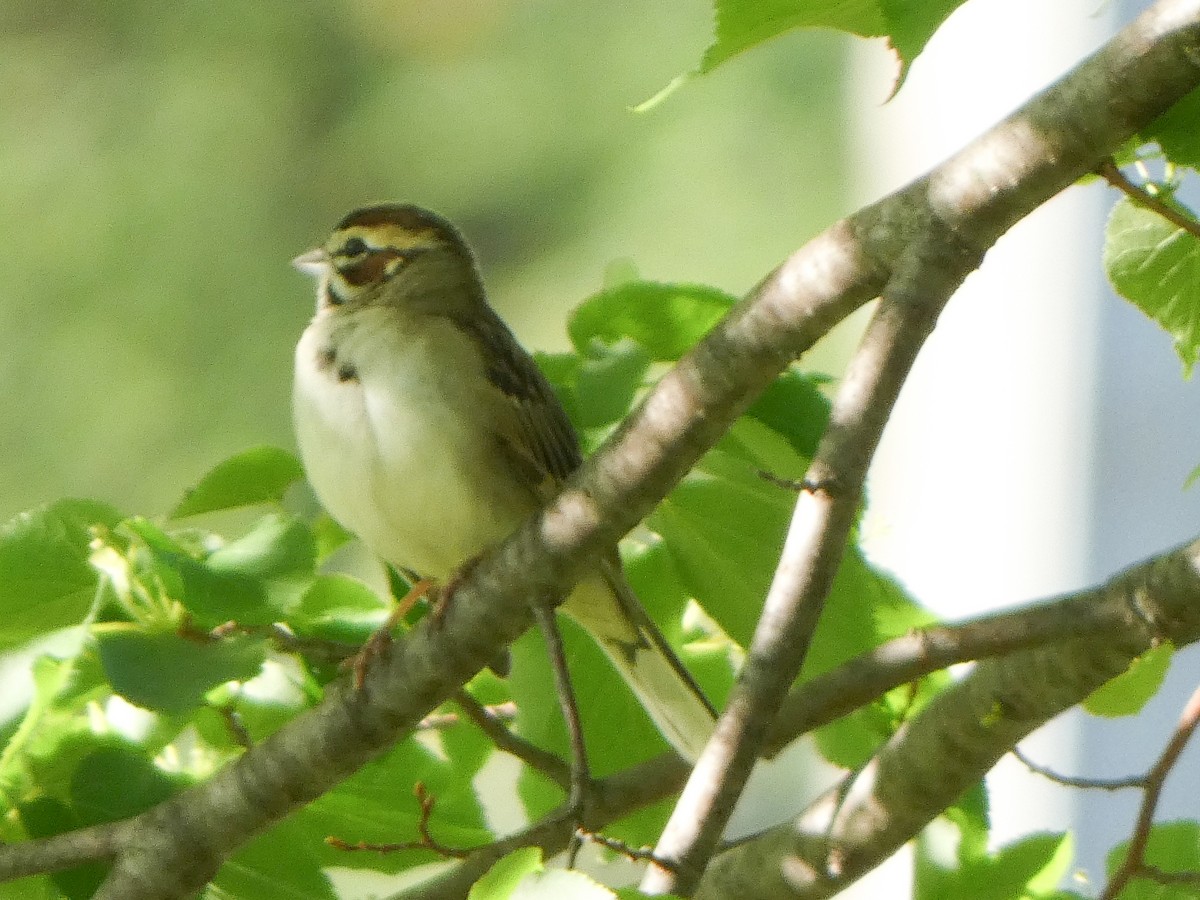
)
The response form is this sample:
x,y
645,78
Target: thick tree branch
x,y
1088,614
62,851
1158,599
955,740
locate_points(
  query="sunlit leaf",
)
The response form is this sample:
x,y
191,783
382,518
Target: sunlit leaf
x,y
666,319
258,475
742,24
169,672
1155,265
1126,694
46,579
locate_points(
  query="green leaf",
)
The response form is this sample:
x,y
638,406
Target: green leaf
x,y
910,25
864,608
278,553
1193,477
45,817
46,579
256,579
258,475
285,863
502,879
742,24
1155,265
141,784
598,385
1175,131
1126,694
853,739
723,527
970,814
522,876
1172,847
1027,868
617,730
378,804
168,672
329,536
794,407
339,608
61,689
666,319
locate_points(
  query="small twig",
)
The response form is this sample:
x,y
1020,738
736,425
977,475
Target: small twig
x,y
533,756
796,485
1103,784
500,712
1109,172
427,841
237,728
581,777
1134,864
1158,876
637,854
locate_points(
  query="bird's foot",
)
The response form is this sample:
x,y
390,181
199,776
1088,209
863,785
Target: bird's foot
x,y
379,642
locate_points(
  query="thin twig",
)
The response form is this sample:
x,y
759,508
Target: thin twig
x,y
532,755
581,777
637,854
1158,876
1103,784
427,841
1109,172
236,726
1134,864
501,712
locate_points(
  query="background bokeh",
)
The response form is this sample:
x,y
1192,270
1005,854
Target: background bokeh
x,y
160,164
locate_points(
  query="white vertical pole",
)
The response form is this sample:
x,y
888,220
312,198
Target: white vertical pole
x,y
979,496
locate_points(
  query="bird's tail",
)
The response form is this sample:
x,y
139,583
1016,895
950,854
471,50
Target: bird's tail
x,y
605,605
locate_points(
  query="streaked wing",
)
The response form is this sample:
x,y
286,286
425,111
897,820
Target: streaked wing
x,y
538,436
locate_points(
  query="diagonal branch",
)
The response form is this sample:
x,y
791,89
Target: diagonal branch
x,y
922,284
957,738
1158,599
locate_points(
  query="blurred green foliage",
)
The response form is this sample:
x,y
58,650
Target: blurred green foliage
x,y
161,163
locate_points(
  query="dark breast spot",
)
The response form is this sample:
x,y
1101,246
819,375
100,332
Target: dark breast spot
x,y
327,361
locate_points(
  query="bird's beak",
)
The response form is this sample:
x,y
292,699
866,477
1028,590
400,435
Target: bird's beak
x,y
314,262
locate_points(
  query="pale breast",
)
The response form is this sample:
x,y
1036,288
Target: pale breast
x,y
392,426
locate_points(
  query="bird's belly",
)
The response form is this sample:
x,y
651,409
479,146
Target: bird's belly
x,y
407,477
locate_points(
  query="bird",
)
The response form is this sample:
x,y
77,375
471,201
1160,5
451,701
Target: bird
x,y
428,431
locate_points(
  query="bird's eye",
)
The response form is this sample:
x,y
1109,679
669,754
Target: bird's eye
x,y
356,246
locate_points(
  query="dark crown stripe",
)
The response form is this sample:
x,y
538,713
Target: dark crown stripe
x,y
404,215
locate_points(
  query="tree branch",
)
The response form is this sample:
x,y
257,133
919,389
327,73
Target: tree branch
x,y
1135,863
957,738
950,217
920,287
